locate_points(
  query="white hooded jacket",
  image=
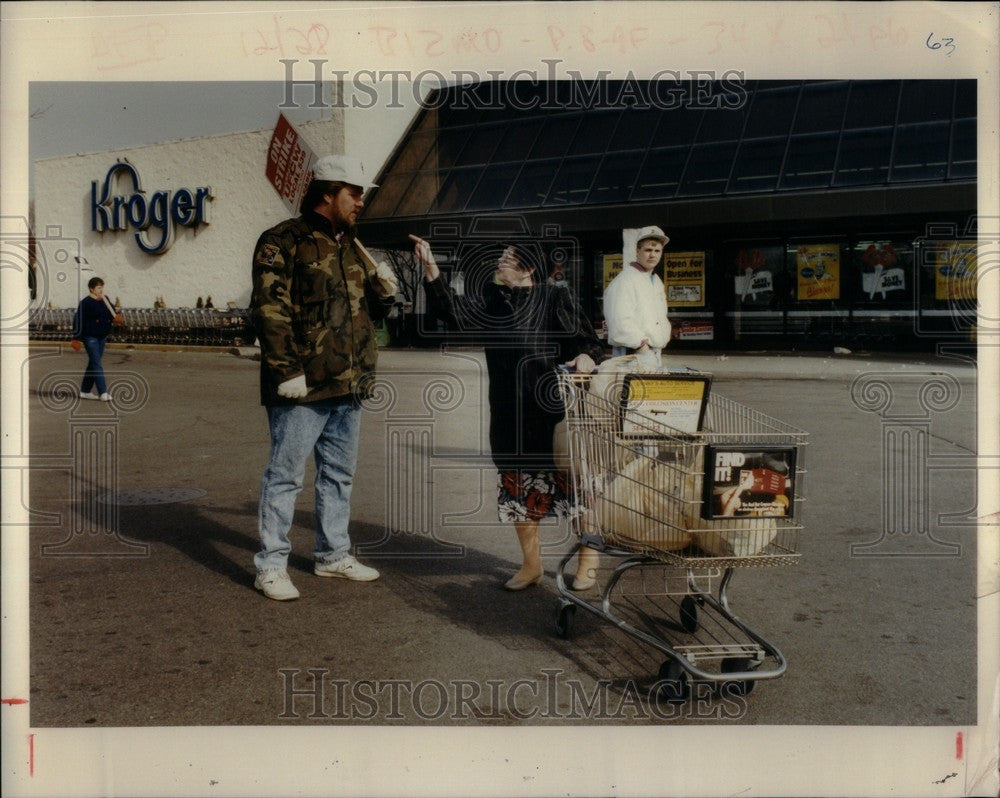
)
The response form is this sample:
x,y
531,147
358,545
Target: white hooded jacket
x,y
635,308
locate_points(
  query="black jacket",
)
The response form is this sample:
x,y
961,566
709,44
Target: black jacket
x,y
526,333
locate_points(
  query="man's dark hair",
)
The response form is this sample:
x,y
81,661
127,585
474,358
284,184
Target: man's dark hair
x,y
93,282
316,190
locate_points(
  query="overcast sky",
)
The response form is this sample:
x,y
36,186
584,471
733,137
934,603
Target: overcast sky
x,y
71,118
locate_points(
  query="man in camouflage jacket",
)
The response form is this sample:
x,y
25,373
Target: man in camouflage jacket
x,y
316,294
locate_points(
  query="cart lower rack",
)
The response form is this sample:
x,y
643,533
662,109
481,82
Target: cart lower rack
x,y
681,487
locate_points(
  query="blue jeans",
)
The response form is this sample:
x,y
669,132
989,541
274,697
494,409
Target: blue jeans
x,y
95,371
330,430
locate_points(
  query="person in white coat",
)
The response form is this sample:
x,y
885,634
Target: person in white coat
x,y
635,304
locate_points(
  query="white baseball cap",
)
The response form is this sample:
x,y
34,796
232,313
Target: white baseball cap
x,y
342,169
651,232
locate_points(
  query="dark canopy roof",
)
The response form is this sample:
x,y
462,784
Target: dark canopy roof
x,y
557,149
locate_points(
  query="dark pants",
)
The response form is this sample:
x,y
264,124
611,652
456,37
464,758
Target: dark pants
x,y
95,371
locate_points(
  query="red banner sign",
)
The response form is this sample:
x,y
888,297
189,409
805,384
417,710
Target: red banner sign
x,y
289,164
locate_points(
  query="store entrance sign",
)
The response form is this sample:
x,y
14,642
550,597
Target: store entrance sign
x,y
155,216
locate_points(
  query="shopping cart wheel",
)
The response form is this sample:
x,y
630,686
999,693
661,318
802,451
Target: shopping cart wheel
x,y
689,614
564,619
673,683
740,686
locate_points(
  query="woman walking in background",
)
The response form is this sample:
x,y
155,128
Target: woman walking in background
x,y
528,326
91,325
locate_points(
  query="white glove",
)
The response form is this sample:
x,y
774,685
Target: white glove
x,y
388,277
294,388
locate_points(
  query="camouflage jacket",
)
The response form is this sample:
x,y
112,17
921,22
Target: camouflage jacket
x,y
313,305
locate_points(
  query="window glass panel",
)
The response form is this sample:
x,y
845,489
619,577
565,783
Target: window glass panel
x,y
921,152
809,163
872,103
414,151
482,141
573,182
883,271
721,124
771,113
555,137
635,129
517,141
708,169
449,145
678,127
387,195
661,174
455,190
963,149
864,157
532,185
461,107
758,278
924,100
493,187
821,107
965,98
615,178
757,165
595,132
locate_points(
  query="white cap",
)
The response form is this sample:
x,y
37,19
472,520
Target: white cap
x,y
651,232
342,169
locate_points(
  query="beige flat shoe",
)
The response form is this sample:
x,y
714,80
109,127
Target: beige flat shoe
x,y
520,583
581,583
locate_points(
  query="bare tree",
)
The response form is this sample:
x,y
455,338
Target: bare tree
x,y
404,265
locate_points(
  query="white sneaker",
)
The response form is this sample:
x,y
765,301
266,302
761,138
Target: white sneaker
x,y
276,585
105,397
346,568
89,395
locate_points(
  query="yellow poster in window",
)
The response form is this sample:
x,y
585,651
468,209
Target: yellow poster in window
x,y
684,278
954,270
612,267
818,267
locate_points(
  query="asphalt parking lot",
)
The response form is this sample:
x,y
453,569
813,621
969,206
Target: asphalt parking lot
x,y
156,623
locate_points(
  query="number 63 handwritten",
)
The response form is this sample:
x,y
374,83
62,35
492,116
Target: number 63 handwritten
x,y
946,41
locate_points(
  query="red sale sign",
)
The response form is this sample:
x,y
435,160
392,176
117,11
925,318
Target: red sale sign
x,y
289,164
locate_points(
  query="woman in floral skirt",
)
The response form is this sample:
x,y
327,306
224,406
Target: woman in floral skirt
x,y
528,326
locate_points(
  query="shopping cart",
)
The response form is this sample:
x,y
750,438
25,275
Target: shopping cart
x,y
679,487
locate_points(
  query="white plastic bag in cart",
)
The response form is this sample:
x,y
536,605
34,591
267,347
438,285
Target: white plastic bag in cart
x,y
636,506
606,382
751,536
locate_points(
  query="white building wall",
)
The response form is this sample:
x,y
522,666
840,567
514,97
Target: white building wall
x,y
212,260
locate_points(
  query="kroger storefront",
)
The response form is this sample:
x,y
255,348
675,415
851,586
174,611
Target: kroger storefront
x,y
164,225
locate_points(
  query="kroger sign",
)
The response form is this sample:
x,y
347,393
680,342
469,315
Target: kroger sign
x,y
155,216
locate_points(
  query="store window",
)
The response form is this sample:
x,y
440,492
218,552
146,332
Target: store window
x,y
816,270
757,277
882,273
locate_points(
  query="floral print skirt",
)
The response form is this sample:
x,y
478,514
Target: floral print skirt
x,y
533,495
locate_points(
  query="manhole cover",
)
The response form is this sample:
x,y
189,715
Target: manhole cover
x,y
129,498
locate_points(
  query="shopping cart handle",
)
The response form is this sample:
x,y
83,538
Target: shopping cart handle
x,y
565,368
